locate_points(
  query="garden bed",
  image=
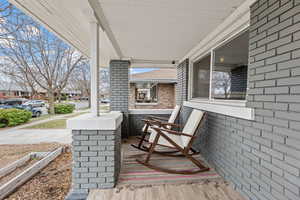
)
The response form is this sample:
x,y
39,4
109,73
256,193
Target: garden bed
x,y
17,171
11,153
53,182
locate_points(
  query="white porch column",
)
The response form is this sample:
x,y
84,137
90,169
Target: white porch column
x,y
95,66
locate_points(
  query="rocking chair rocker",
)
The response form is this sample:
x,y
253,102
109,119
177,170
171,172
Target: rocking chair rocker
x,y
180,141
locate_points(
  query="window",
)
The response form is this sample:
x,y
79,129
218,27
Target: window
x,y
146,93
201,79
226,77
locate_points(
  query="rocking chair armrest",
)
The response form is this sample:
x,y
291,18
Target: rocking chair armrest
x,y
151,122
172,132
152,117
171,124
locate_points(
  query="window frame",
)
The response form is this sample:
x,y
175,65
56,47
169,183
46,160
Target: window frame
x,y
145,103
233,108
211,52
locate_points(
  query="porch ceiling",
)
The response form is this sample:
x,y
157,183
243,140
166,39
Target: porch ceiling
x,y
161,30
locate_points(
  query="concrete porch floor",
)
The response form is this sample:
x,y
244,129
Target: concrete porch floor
x,y
148,184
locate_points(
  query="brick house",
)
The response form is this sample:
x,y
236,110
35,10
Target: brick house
x,y
153,90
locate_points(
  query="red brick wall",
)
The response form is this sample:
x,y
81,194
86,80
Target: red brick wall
x,y
166,97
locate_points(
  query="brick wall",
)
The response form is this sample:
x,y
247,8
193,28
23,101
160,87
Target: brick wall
x,y
262,157
96,161
182,82
119,90
166,97
136,124
119,85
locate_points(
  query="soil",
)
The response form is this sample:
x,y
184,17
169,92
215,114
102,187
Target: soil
x,y
51,183
11,153
17,171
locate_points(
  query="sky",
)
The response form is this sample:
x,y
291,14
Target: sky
x,y
140,70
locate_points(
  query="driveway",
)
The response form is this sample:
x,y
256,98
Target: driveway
x,y
35,136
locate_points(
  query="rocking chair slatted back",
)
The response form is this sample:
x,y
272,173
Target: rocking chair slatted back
x,y
191,126
174,115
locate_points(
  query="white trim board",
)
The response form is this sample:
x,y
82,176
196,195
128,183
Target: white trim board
x,y
150,111
229,110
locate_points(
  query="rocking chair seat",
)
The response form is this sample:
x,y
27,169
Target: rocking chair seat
x,y
162,141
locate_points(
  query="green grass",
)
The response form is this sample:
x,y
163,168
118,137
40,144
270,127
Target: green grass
x,y
34,119
53,124
75,115
104,108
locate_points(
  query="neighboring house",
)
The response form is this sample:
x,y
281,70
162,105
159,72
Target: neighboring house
x,y
11,90
153,90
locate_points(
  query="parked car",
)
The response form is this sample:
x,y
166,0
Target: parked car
x,y
2,101
15,101
5,106
105,101
36,111
34,103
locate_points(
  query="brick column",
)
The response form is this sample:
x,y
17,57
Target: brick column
x,y
119,90
182,86
96,149
182,82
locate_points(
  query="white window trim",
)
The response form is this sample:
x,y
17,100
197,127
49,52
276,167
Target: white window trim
x,y
150,111
150,103
146,104
234,108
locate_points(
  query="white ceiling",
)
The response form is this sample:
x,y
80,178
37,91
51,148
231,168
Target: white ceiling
x,y
164,29
144,29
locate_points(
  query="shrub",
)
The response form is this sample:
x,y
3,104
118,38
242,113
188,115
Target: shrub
x,y
64,108
13,117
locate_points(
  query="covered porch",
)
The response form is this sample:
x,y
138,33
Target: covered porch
x,y
237,60
139,182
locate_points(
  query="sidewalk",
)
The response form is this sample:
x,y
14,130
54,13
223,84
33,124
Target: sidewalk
x,y
18,135
7,130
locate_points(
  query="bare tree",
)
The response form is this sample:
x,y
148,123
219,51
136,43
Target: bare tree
x,y
222,83
9,16
20,77
38,54
81,80
6,9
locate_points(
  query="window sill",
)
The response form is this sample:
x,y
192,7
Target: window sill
x,y
236,109
146,104
150,111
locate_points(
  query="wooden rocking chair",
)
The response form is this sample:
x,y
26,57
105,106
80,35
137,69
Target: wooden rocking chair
x,y
158,122
181,141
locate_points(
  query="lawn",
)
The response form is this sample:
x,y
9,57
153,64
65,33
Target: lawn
x,y
40,118
53,124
